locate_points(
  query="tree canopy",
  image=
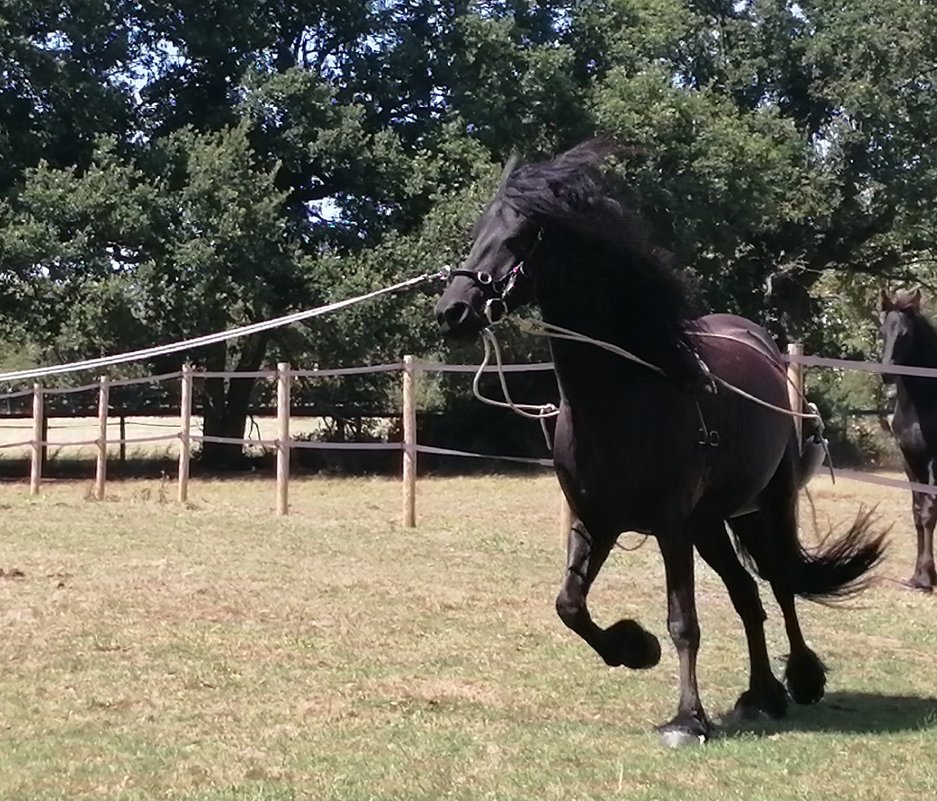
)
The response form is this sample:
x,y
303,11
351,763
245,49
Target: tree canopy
x,y
169,169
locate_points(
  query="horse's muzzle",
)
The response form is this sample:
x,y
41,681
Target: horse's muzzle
x,y
458,319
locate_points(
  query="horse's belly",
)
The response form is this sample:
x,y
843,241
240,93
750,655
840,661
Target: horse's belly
x,y
630,457
627,472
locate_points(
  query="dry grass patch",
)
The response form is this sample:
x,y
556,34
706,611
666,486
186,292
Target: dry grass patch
x,y
218,652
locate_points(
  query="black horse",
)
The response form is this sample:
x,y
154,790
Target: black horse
x,y
910,340
670,452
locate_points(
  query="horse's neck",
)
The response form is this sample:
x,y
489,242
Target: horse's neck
x,y
923,354
576,295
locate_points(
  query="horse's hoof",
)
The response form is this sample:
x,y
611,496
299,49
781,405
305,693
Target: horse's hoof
x,y
919,585
677,738
767,705
683,734
805,677
629,644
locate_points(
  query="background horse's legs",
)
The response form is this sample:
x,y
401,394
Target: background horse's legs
x,y
760,535
924,508
690,724
624,643
765,694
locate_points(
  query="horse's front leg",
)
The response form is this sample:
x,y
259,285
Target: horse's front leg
x,y
924,507
690,725
623,643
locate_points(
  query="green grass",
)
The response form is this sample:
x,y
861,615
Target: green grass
x,y
218,652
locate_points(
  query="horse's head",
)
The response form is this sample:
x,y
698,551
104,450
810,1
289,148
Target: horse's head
x,y
491,281
898,315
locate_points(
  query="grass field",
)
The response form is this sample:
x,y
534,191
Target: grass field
x,y
217,652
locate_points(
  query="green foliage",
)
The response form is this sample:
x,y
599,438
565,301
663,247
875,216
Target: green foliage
x,y
172,169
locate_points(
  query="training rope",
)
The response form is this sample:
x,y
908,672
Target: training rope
x,y
804,415
541,412
814,413
220,336
542,328
553,331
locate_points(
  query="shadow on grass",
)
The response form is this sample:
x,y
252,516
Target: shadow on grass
x,y
845,713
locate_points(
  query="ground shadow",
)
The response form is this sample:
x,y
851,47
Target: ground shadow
x,y
844,712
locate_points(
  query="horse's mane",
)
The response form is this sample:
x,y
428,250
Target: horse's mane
x,y
570,193
925,333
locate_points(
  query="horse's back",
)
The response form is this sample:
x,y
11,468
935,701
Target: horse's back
x,y
739,328
755,435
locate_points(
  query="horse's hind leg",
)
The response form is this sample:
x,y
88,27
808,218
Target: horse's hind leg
x,y
624,643
765,694
760,535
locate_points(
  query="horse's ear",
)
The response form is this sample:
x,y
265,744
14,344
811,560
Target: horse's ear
x,y
511,165
887,304
916,299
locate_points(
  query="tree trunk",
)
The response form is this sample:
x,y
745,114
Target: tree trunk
x,y
227,403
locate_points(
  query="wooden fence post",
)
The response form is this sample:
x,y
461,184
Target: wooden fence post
x,y
795,386
44,450
35,471
185,432
100,470
409,442
123,442
283,437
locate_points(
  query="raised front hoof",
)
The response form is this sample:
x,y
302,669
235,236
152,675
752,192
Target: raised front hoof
x,y
805,677
685,731
768,704
629,644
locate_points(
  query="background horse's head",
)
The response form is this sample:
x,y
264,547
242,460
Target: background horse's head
x,y
899,313
491,281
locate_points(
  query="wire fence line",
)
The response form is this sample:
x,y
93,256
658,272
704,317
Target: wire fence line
x,y
283,443
409,367
185,435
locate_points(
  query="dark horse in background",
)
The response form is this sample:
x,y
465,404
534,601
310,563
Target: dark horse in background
x,y
910,340
628,448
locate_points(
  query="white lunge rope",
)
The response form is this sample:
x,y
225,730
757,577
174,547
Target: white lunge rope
x,y
533,411
212,339
553,331
541,412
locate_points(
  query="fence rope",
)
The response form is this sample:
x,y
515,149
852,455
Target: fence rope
x,y
866,367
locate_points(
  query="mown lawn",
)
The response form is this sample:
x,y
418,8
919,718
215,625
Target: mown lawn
x,y
218,652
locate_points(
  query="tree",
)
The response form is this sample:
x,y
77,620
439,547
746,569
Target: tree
x,y
777,140
173,168
258,171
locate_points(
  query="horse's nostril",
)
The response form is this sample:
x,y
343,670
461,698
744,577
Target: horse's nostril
x,y
453,315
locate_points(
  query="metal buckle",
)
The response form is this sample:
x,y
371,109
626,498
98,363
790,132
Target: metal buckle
x,y
492,305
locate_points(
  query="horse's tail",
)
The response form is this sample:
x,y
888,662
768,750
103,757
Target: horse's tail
x,y
837,568
840,569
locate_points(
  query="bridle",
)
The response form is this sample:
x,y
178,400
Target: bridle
x,y
495,290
